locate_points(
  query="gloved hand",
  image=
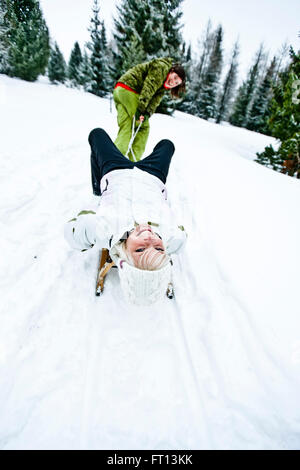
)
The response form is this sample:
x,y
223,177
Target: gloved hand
x,y
177,239
139,115
80,232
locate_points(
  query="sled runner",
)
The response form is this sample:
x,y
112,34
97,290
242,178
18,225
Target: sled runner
x,y
105,264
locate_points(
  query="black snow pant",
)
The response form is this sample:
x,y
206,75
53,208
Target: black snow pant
x,y
106,157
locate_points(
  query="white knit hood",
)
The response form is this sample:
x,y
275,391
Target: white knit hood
x,y
141,287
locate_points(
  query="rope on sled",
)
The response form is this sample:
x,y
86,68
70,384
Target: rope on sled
x,y
133,136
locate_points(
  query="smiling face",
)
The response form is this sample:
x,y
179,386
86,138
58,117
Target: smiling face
x,y
144,243
173,80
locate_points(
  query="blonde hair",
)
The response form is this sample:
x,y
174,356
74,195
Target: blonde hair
x,y
150,259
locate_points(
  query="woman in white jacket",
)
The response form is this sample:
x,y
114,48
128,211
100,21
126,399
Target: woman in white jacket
x,y
134,220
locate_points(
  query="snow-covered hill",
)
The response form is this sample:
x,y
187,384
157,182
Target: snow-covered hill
x,y
217,368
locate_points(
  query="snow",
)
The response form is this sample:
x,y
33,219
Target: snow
x,y
216,368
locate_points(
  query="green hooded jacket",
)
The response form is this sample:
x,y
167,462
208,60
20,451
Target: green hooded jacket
x,y
147,79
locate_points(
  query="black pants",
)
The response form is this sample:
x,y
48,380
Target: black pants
x,y
106,157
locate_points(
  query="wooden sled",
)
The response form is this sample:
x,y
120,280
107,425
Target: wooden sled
x,y
105,264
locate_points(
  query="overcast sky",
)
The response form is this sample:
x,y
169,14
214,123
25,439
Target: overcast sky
x,y
269,21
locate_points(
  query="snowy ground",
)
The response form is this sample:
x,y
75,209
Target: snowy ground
x,y
217,368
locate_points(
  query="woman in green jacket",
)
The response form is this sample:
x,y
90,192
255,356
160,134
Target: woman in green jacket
x,y
137,94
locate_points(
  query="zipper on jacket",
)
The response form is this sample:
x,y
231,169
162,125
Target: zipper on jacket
x,y
105,187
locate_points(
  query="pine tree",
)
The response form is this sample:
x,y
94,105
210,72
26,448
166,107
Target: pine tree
x,y
74,65
260,111
206,46
108,59
57,66
154,25
85,72
209,86
133,54
197,69
284,121
29,40
153,28
98,48
228,86
171,13
185,103
246,91
125,31
269,158
188,57
4,38
22,9
173,44
283,59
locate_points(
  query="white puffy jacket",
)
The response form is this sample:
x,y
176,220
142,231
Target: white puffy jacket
x,y
128,197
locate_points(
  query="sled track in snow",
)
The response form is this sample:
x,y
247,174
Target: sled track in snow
x,y
187,373
191,370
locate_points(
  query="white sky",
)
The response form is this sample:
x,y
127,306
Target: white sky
x,y
255,21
